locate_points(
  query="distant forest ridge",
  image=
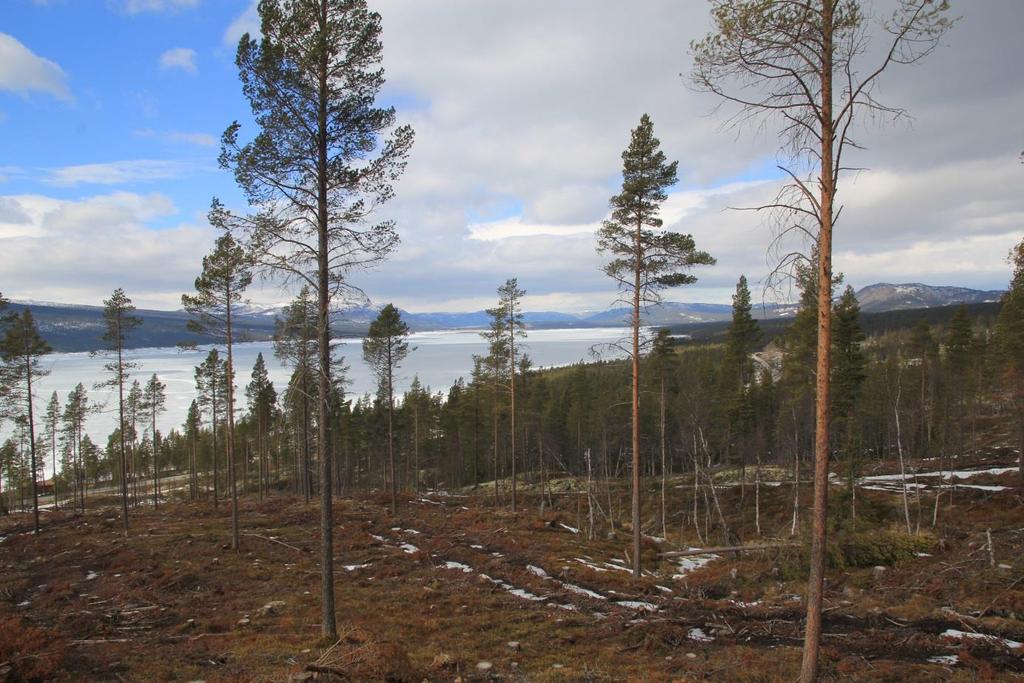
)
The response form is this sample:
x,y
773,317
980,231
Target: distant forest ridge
x,y
71,328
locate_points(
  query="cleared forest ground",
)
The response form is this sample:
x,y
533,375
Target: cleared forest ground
x,y
453,588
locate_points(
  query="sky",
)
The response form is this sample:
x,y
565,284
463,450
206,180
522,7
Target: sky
x,y
111,113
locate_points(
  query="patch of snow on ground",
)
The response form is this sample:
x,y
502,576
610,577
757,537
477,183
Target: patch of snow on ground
x,y
91,575
591,565
477,547
354,567
944,659
960,635
698,635
620,568
638,605
537,571
409,548
690,563
580,590
378,538
518,592
458,565
944,474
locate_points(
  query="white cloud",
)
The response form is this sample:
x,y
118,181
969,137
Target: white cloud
x,y
79,251
246,22
179,58
175,136
529,106
120,172
532,106
23,71
516,227
139,6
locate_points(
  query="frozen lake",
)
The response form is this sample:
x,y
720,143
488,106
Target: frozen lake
x,y
438,358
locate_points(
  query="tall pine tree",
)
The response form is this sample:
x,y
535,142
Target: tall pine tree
x,y
645,260
324,160
119,321
219,289
384,349
21,349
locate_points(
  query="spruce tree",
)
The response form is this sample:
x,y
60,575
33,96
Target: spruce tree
x,y
20,350
848,361
119,321
193,425
154,400
924,350
645,260
134,409
76,409
1009,343
506,327
384,349
296,343
211,379
262,398
743,337
51,424
219,290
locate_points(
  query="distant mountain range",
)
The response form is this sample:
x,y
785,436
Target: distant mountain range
x,y
70,327
887,297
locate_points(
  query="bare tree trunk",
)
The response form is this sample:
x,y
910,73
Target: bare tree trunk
x,y
497,496
636,404
696,490
32,444
664,470
590,496
794,528
329,627
391,439
416,448
216,495
757,492
816,579
899,450
156,464
512,393
120,413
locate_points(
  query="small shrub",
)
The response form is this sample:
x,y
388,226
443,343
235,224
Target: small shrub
x,y
34,654
877,548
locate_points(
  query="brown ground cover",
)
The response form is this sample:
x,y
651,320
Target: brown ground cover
x,y
452,583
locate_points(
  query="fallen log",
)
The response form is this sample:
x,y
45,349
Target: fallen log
x,y
274,540
726,549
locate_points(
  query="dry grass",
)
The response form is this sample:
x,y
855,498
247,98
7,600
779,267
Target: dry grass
x,y
172,602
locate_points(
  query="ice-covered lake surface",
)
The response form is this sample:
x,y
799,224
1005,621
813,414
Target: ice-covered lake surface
x,y
437,358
